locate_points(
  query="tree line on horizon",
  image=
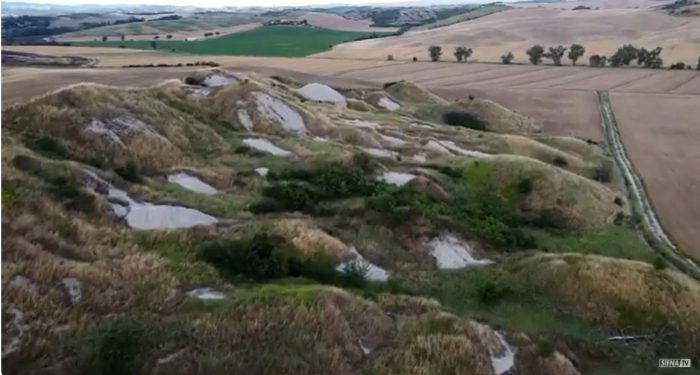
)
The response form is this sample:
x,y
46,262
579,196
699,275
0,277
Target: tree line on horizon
x,y
624,55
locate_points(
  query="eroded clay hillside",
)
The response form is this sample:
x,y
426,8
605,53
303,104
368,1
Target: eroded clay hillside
x,y
234,223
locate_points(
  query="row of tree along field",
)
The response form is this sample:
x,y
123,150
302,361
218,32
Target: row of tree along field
x,y
624,55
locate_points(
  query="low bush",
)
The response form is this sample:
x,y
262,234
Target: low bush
x,y
264,257
48,147
464,119
525,186
491,292
602,172
130,172
559,161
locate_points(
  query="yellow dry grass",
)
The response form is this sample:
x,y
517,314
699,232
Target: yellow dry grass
x,y
45,243
308,239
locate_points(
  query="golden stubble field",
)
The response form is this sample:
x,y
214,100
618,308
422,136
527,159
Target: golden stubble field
x,y
600,31
661,134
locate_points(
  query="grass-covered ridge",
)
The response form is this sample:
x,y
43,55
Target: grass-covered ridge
x,y
561,268
289,41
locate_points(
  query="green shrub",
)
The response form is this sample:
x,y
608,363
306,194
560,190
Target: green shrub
x,y
355,274
130,172
464,119
559,161
264,257
48,147
602,172
291,196
119,347
190,80
525,186
10,193
660,263
71,194
389,84
29,165
449,171
491,292
303,189
259,258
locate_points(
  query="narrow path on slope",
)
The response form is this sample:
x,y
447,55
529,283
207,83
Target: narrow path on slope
x,y
652,229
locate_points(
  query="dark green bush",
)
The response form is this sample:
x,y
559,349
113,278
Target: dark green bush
x,y
303,189
355,274
48,147
259,258
264,257
71,194
491,292
660,263
602,172
449,171
389,84
292,196
190,80
119,347
464,119
28,164
130,172
559,161
525,186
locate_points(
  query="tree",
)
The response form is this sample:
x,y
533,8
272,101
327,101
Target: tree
x,y
435,52
104,38
507,58
698,66
576,51
462,53
153,44
555,54
169,36
624,55
650,59
123,36
597,61
535,52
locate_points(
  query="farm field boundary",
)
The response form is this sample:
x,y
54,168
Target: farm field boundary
x,y
652,229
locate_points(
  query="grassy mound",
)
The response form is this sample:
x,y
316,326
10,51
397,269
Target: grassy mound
x,y
545,194
107,126
621,294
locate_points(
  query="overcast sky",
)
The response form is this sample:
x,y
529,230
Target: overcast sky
x,y
241,3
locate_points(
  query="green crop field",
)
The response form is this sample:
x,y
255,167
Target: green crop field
x,y
292,41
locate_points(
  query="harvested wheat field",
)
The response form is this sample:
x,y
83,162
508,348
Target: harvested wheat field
x,y
600,31
661,136
149,34
337,22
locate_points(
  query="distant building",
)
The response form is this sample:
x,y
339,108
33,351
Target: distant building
x,y
286,22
